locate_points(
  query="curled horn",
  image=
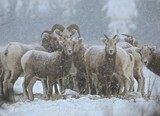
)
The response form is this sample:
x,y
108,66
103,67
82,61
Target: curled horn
x,y
106,36
74,26
57,26
46,31
115,36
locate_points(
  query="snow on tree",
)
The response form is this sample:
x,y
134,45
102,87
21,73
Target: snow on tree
x,y
121,14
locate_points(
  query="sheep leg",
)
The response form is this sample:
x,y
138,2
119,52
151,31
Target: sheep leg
x,y
45,87
60,85
143,83
78,77
143,87
1,85
50,88
132,84
5,84
12,80
25,85
126,82
108,85
88,80
64,83
30,88
121,83
140,79
95,83
75,84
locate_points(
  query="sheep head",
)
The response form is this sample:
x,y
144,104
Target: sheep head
x,y
49,42
58,34
110,44
130,39
146,53
67,46
67,33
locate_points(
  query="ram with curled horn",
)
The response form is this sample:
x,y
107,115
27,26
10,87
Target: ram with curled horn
x,y
49,41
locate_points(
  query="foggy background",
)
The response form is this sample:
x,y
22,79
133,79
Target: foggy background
x,y
25,20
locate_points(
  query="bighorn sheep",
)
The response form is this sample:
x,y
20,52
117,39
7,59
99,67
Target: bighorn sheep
x,y
79,63
12,69
130,39
108,61
14,52
138,67
11,59
151,58
50,66
49,38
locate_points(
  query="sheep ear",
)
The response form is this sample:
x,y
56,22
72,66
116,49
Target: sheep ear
x,y
152,48
80,40
138,50
103,40
117,40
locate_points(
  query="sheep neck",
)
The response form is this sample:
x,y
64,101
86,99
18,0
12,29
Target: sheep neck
x,y
78,58
65,65
109,64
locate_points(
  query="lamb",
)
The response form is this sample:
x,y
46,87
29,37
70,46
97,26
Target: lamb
x,y
108,61
132,46
150,58
50,66
138,67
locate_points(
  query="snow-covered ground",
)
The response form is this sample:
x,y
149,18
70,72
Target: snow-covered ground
x,y
88,105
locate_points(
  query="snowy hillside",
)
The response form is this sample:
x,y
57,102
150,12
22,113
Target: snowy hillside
x,y
87,105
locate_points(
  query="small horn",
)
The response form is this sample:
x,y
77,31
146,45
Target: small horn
x,y
126,35
117,31
74,26
46,31
57,26
115,36
106,36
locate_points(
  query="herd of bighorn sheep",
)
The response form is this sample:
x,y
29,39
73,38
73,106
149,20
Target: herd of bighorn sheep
x,y
88,69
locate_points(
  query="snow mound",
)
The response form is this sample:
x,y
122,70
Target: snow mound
x,y
68,93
